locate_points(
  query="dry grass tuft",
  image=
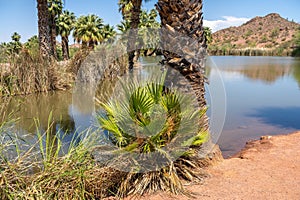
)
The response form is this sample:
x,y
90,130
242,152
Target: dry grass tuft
x,y
30,74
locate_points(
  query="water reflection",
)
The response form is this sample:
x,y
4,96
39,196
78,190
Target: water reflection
x,y
263,98
40,107
287,117
268,73
296,72
259,68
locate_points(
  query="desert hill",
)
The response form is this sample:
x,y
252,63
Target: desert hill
x,y
271,32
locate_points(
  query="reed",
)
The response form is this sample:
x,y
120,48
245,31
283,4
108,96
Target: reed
x,y
27,73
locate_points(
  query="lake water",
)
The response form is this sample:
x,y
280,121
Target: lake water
x,y
262,98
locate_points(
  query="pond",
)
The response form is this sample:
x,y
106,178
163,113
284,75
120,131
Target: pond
x,y
262,98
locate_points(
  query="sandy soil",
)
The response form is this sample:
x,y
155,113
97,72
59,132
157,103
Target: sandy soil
x,y
265,169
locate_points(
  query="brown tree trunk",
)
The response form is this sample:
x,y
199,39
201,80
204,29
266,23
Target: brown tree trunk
x,y
44,30
65,47
134,24
183,31
53,36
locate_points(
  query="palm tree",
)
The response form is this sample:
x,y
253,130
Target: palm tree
x,y
134,18
124,7
45,46
55,9
208,34
16,37
184,45
65,24
149,39
15,46
88,30
108,32
185,17
124,26
32,45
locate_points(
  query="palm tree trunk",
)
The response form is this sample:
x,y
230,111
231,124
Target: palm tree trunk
x,y
44,30
134,23
53,36
184,17
65,47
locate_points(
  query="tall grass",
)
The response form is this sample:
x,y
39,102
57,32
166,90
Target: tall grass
x,y
40,169
28,73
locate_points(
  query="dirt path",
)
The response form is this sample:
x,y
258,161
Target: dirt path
x,y
265,169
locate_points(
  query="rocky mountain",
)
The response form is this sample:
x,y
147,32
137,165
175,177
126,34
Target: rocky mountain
x,y
268,32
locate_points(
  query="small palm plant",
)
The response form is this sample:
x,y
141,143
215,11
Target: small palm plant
x,y
152,127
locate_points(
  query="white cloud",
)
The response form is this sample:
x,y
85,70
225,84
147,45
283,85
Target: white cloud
x,y
226,22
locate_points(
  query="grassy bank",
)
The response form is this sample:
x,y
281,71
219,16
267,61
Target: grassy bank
x,y
26,73
43,166
214,51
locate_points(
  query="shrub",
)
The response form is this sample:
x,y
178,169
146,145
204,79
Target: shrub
x,y
152,128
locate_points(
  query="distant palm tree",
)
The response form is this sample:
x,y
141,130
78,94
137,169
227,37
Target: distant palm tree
x,y
134,7
208,34
15,46
88,30
124,7
45,47
108,32
55,9
16,37
124,26
32,45
65,24
147,39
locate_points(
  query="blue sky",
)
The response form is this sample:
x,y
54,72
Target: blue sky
x,y
21,15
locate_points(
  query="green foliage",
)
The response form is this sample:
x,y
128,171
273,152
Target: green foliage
x,y
274,33
16,37
91,31
252,44
87,30
208,35
296,51
40,169
73,51
147,39
264,39
148,119
248,33
108,32
124,26
59,53
32,45
65,23
10,49
125,7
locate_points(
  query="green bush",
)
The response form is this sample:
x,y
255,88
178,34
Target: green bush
x,y
148,123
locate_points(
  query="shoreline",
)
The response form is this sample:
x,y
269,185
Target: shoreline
x,y
268,168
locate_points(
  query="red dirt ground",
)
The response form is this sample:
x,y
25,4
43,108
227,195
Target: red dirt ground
x,y
265,169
